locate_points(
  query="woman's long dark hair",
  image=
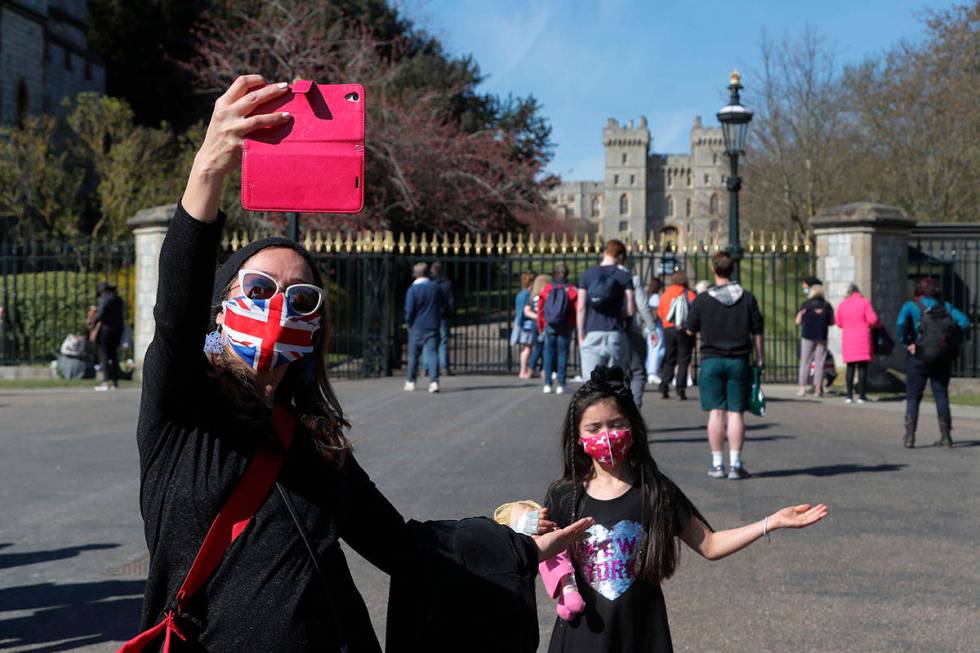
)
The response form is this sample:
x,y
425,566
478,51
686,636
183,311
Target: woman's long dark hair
x,y
305,387
660,554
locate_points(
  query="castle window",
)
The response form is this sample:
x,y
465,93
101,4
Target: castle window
x,y
624,225
595,207
714,158
688,177
570,212
632,179
624,158
624,204
687,207
670,205
67,59
615,180
707,179
22,102
713,204
670,177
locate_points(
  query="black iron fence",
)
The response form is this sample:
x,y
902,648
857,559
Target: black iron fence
x,y
367,275
46,287
951,255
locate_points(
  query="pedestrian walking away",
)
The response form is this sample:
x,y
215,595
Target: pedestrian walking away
x,y
815,316
525,330
603,312
731,326
533,310
856,318
247,480
556,320
641,518
445,327
655,352
931,330
642,327
425,306
106,330
678,344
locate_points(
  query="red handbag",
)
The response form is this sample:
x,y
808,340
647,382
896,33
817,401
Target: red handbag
x,y
314,163
237,512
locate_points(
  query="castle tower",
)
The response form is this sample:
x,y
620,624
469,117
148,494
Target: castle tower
x,y
709,167
626,206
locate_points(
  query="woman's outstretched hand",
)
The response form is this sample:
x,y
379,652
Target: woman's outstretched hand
x,y
560,539
797,516
222,148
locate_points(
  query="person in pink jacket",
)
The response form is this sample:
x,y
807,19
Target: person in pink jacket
x,y
856,317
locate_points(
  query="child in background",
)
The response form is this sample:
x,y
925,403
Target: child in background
x,y
639,514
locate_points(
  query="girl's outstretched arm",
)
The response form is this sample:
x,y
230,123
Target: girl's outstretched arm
x,y
715,546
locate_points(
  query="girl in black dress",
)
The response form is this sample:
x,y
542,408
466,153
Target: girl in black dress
x,y
639,516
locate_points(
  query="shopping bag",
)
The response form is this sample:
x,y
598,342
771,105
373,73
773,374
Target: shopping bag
x,y
757,398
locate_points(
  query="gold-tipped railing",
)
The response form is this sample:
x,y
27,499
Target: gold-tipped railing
x,y
520,244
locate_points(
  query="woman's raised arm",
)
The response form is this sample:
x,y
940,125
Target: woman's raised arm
x,y
222,148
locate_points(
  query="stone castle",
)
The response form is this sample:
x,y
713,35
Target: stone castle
x,y
671,195
44,57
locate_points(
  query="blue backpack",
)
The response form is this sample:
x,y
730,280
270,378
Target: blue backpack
x,y
556,306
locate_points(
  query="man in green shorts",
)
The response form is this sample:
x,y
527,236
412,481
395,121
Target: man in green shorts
x,y
728,319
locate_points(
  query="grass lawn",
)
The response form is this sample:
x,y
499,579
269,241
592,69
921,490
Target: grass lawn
x,y
29,384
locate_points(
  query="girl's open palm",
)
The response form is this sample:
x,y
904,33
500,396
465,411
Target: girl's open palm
x,y
797,516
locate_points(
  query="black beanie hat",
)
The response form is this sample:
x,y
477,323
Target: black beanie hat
x,y
227,271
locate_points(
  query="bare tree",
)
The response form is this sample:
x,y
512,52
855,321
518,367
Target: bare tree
x,y
919,112
800,156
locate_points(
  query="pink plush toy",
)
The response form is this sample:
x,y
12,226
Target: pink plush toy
x,y
557,572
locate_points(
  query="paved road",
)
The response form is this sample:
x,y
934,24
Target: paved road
x,y
896,567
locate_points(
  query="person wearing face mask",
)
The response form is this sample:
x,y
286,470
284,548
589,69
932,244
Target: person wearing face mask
x,y
640,518
247,479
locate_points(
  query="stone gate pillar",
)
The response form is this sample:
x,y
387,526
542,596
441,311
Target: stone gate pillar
x,y
866,244
149,227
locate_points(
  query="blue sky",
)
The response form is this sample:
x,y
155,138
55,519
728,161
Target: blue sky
x,y
589,60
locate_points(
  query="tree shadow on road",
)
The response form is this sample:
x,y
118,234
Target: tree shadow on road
x,y
704,438
830,470
700,427
8,560
71,615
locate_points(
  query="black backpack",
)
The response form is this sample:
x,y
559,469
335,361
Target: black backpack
x,y
939,335
605,293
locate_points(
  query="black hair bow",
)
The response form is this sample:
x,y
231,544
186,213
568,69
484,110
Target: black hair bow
x,y
612,379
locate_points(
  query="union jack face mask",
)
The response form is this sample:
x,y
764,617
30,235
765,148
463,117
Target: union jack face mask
x,y
267,333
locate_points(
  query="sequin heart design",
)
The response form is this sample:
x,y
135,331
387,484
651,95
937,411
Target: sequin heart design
x,y
608,557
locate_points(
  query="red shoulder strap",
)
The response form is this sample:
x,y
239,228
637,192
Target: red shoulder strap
x,y
245,500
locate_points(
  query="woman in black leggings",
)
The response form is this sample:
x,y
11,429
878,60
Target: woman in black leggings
x,y
861,367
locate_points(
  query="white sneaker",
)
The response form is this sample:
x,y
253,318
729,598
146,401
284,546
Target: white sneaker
x,y
655,378
409,386
690,382
554,376
848,401
547,390
434,386
861,401
102,388
560,390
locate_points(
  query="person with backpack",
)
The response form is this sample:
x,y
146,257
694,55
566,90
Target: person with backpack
x,y
815,316
856,318
446,285
641,329
932,331
603,311
556,320
678,344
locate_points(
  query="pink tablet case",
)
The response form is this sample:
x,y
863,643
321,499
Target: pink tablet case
x,y
314,163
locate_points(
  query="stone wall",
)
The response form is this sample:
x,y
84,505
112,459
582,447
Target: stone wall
x,y
149,228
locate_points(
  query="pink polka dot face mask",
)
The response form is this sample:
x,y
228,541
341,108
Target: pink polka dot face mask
x,y
607,447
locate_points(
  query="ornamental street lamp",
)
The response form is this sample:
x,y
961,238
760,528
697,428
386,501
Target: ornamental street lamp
x,y
734,119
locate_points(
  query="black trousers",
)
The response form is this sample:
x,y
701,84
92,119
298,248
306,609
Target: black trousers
x,y
937,375
862,372
108,347
678,347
